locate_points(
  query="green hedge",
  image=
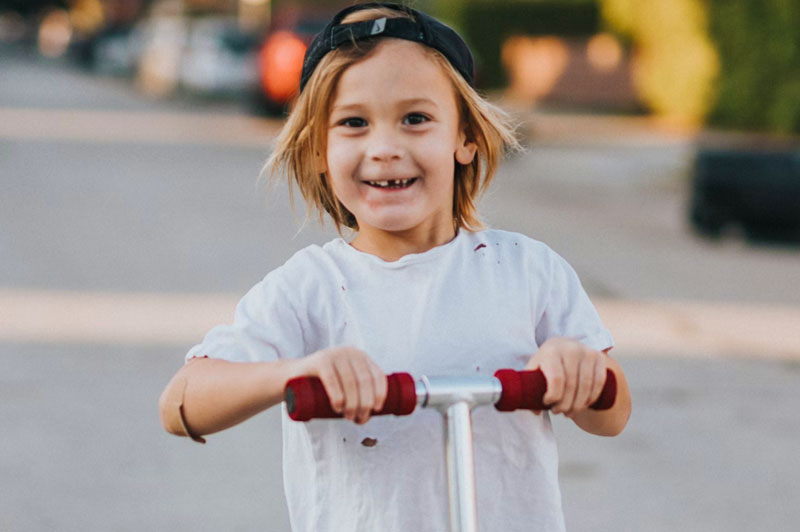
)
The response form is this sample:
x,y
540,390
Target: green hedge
x,y
758,42
486,25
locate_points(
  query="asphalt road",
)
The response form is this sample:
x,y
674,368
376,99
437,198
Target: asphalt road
x,y
107,194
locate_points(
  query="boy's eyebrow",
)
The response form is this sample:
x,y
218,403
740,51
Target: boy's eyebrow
x,y
401,103
416,101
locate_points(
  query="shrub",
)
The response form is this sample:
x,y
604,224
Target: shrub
x,y
759,49
674,63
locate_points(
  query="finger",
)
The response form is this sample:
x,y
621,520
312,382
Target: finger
x,y
553,371
333,387
600,377
347,377
571,370
532,364
586,377
366,389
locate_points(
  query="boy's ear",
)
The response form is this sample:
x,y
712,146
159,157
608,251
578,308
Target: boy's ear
x,y
465,152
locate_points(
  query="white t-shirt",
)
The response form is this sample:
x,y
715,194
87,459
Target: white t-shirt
x,y
481,302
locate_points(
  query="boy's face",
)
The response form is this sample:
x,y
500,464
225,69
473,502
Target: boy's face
x,y
394,136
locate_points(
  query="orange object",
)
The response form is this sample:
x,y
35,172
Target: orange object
x,y
280,64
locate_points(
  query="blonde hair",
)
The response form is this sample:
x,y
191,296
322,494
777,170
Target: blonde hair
x,y
301,146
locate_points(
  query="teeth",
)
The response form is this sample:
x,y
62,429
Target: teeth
x,y
391,183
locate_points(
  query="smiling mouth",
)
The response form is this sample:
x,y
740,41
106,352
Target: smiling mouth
x,y
392,183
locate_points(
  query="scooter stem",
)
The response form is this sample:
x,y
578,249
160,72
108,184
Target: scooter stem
x,y
460,468
455,397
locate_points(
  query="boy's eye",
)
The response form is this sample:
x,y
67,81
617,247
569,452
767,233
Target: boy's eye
x,y
353,122
413,119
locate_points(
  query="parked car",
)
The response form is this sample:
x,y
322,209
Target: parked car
x,y
756,188
208,56
112,51
219,59
108,44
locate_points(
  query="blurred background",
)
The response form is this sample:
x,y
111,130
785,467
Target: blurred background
x,y
662,160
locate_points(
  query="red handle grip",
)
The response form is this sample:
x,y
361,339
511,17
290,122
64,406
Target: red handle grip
x,y
306,398
526,389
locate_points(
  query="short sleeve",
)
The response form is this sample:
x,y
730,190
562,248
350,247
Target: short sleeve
x,y
568,312
265,327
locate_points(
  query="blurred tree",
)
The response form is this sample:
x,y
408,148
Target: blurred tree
x,y
759,47
675,63
448,10
486,25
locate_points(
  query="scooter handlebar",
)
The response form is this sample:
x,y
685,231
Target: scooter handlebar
x,y
526,390
306,397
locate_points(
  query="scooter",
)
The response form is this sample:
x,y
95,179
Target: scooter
x,y
454,397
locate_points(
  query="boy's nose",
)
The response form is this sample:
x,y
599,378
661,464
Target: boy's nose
x,y
384,146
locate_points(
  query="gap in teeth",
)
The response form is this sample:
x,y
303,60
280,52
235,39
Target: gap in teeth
x,y
391,183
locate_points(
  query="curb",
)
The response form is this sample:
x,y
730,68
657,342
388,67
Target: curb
x,y
693,328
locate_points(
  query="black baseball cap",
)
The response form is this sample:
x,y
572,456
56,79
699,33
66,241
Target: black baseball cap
x,y
424,29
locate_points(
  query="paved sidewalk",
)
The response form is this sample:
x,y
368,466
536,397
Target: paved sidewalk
x,y
541,128
136,126
692,328
641,328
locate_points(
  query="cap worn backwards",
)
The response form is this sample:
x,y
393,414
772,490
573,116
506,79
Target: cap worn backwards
x,y
424,29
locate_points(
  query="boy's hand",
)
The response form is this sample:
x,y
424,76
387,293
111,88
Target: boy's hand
x,y
355,385
575,374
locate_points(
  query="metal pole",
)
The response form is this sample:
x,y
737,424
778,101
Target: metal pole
x,y
460,468
455,397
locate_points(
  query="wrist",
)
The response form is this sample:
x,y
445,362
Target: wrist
x,y
276,374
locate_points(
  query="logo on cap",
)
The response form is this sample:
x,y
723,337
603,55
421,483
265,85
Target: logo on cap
x,y
378,26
